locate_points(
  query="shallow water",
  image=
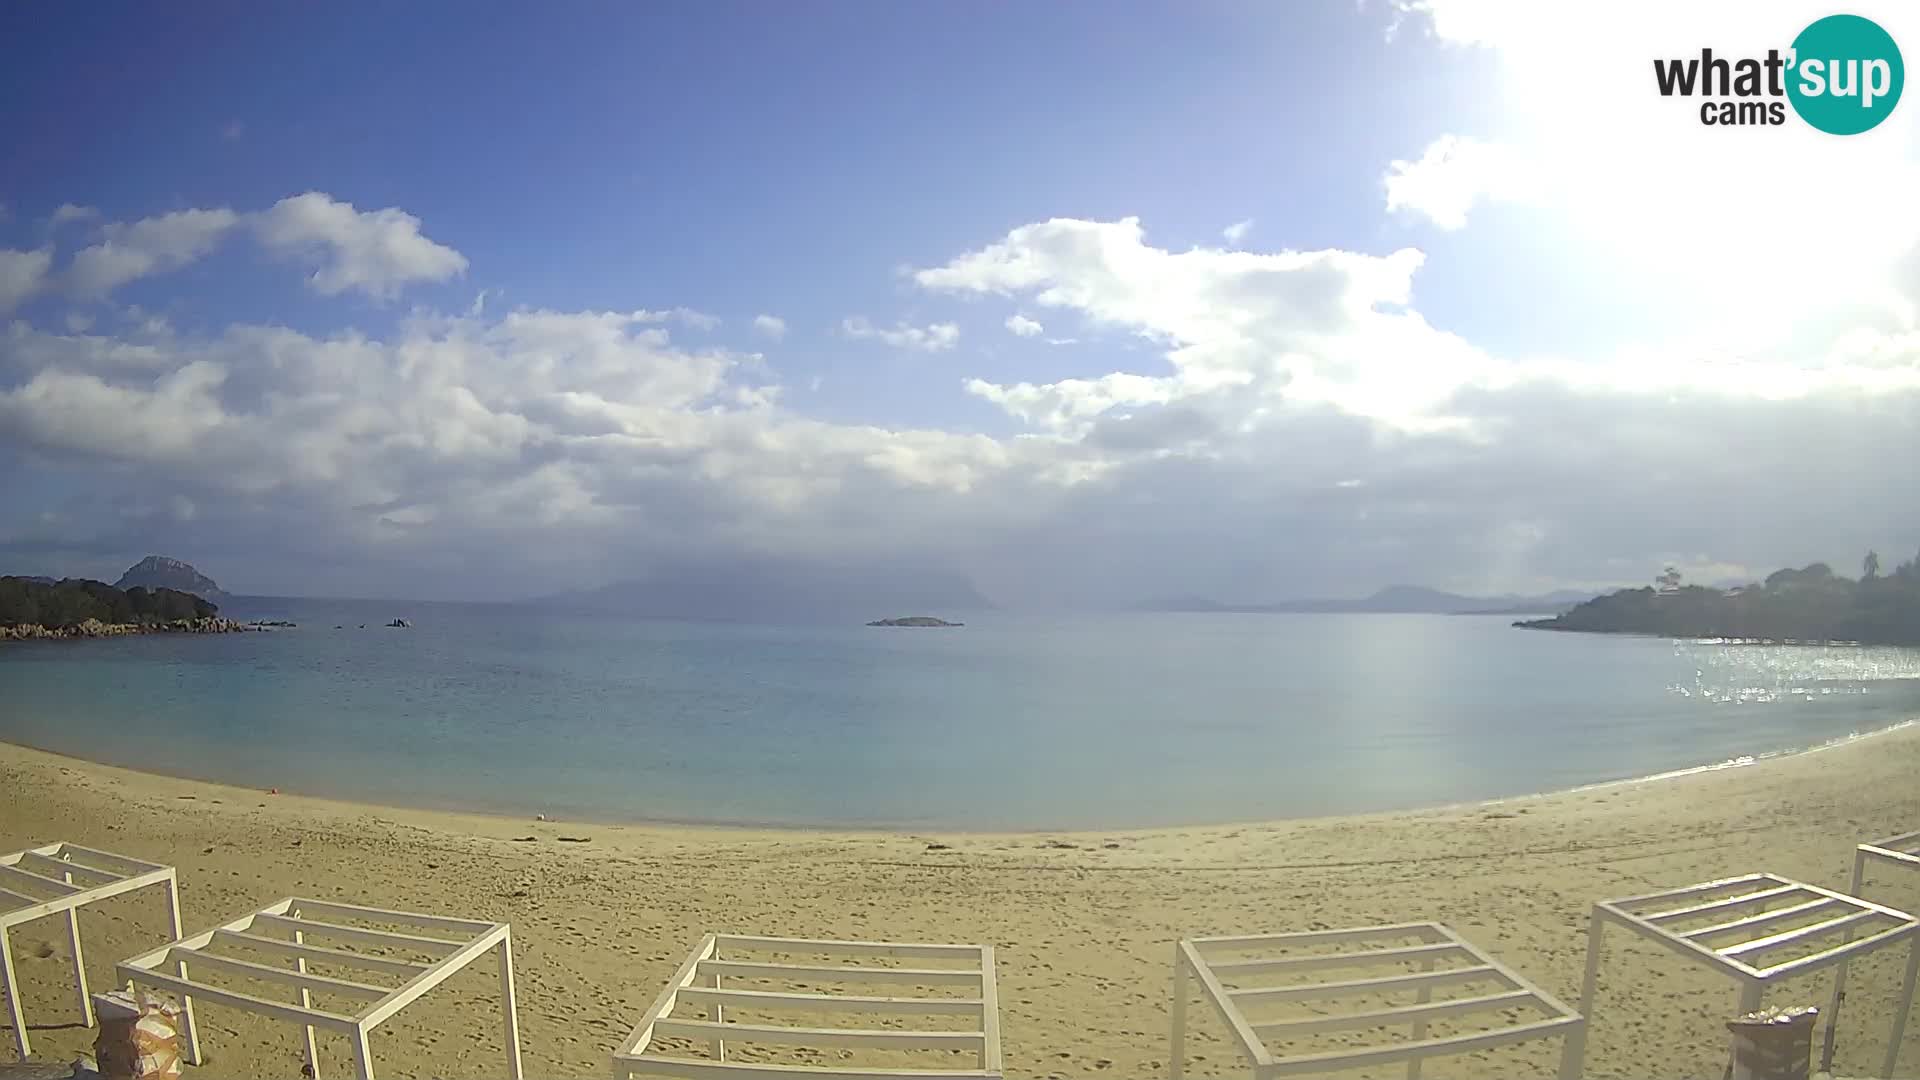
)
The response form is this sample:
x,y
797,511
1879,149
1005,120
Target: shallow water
x,y
1011,722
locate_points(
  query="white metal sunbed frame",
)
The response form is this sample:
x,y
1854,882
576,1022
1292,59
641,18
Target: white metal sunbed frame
x,y
285,928
698,982
62,878
1228,985
1742,925
1901,851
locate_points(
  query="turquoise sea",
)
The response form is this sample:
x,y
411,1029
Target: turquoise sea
x,y
1011,722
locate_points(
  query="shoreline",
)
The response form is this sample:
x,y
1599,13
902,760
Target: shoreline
x,y
1082,921
915,829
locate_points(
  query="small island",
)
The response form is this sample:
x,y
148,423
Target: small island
x,y
914,620
1811,604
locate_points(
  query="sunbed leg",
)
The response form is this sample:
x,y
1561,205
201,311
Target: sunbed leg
x,y
1906,1006
362,1054
507,1007
1829,1037
186,1000
79,961
1573,1055
1177,1051
13,996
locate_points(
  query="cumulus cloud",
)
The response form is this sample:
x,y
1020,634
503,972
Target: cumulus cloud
x,y
685,316
1452,175
376,252
1328,325
936,337
148,246
1288,422
1237,231
770,326
1021,326
22,273
68,212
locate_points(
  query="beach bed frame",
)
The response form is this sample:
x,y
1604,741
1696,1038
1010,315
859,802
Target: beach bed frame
x,y
1900,851
284,930
698,982
61,879
1444,960
1729,925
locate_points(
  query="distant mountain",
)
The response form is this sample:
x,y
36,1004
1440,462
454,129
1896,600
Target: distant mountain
x,y
776,592
160,572
1394,599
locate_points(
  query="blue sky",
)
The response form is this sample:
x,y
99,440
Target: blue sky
x,y
734,158
821,164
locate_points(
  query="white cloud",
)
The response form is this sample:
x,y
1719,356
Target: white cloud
x,y
1324,325
1289,423
68,212
79,322
936,337
376,252
685,316
1452,175
771,326
148,246
1021,326
22,273
1237,231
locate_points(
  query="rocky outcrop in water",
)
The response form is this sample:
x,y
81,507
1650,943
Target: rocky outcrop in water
x,y
914,620
94,628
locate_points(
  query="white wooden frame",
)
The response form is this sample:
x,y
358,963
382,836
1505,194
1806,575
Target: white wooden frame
x,y
454,943
1902,851
62,878
698,981
1740,908
1225,984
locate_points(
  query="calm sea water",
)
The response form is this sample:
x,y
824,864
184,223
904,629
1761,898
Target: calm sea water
x,y
1012,722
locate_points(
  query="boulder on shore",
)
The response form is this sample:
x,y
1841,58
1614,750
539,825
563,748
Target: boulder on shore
x,y
94,628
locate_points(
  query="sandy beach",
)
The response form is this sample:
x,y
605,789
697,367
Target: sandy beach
x,y
1083,922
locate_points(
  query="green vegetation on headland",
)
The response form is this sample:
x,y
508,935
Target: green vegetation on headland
x,y
77,607
1809,604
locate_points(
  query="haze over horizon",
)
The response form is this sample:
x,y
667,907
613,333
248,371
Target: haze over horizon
x,y
1083,306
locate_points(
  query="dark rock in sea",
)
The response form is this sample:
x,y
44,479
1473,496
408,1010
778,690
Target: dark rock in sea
x,y
401,624
914,620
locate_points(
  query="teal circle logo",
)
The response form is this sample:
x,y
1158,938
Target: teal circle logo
x,y
1846,75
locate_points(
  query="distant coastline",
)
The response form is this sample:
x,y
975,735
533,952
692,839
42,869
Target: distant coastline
x,y
1810,605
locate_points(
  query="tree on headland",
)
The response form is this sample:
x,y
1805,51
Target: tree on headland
x,y
1809,603
64,604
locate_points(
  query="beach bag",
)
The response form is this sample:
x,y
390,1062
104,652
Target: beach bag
x,y
139,1037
